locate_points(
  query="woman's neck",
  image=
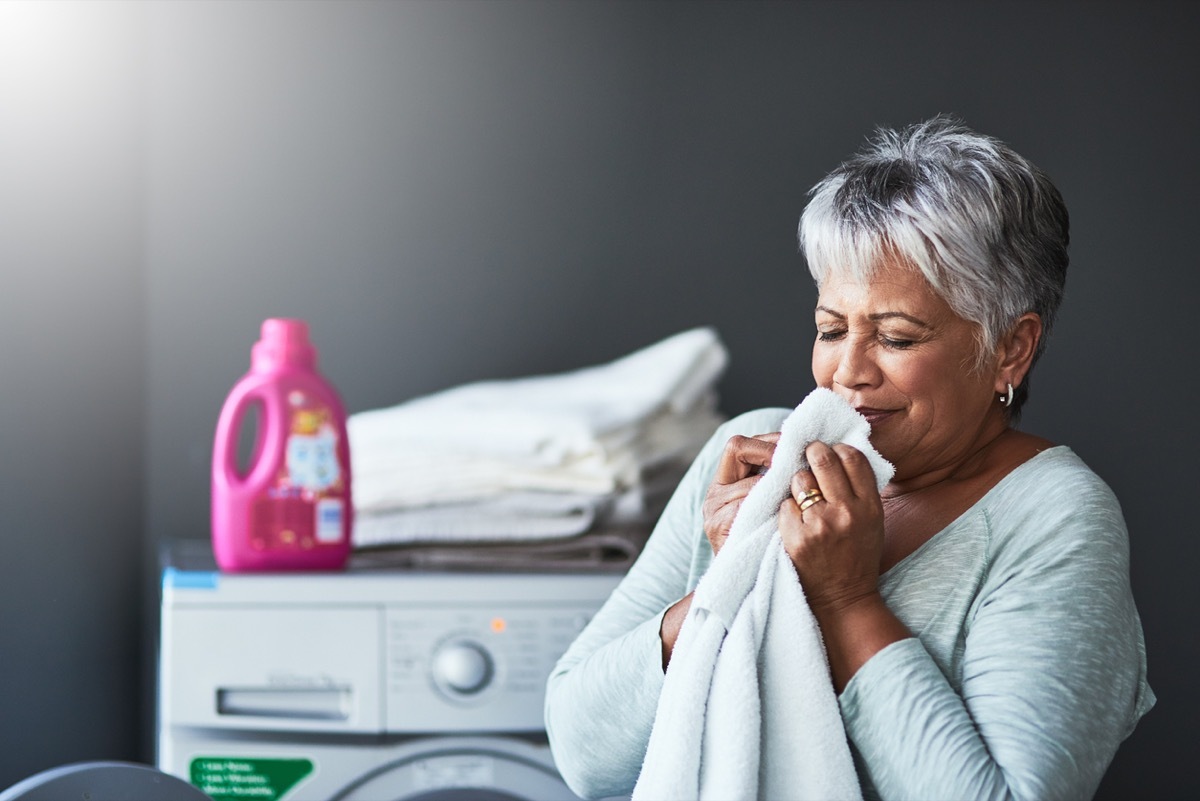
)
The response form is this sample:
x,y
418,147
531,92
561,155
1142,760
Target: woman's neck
x,y
916,510
984,455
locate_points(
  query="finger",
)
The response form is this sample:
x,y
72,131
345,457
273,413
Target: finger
x,y
742,457
717,537
802,482
790,517
805,493
773,439
791,527
827,469
721,508
858,470
720,496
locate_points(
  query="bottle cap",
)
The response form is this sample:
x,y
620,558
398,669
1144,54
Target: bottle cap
x,y
283,341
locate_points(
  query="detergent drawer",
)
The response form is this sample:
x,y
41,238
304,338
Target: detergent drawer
x,y
263,668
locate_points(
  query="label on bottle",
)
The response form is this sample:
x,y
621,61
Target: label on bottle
x,y
305,505
329,519
312,463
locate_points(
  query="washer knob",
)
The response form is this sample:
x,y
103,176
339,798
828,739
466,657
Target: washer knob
x,y
462,666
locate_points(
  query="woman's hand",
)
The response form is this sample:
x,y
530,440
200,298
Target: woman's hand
x,y
742,464
836,543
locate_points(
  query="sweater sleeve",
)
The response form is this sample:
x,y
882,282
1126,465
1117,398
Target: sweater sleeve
x,y
602,695
1053,670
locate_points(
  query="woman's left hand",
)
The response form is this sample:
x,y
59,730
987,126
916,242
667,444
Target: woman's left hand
x,y
836,543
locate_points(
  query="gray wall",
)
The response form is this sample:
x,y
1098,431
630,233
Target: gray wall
x,y
452,191
72,382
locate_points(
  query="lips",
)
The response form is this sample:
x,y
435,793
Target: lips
x,y
874,416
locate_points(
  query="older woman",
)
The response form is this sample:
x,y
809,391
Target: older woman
x,y
977,613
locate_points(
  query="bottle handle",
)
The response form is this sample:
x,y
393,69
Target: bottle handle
x,y
267,440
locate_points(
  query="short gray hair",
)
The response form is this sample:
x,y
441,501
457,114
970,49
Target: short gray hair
x,y
984,226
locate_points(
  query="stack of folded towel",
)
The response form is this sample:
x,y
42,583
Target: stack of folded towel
x,y
541,461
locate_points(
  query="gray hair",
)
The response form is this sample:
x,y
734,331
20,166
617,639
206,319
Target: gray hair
x,y
984,226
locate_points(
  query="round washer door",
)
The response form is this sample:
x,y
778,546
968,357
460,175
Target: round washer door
x,y
463,769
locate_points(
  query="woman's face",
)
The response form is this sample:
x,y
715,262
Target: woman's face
x,y
897,352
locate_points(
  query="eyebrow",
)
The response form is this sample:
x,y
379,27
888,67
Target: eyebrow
x,y
888,315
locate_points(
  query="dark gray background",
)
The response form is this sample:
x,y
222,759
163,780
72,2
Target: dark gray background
x,y
460,190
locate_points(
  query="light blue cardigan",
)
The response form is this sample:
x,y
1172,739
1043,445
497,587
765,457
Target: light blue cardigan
x,y
1027,671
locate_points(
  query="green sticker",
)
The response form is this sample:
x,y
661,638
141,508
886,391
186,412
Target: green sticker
x,y
238,779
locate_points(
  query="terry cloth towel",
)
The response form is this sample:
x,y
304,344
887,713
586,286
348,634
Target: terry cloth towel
x,y
511,516
591,430
610,549
552,415
395,474
747,708
519,516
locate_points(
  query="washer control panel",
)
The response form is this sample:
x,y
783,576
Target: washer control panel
x,y
474,668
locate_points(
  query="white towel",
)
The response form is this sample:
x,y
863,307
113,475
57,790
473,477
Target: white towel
x,y
747,709
398,474
512,516
520,516
551,418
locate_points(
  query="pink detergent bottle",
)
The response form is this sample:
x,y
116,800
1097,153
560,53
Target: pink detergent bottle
x,y
290,508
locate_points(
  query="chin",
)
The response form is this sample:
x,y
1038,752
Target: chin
x,y
886,449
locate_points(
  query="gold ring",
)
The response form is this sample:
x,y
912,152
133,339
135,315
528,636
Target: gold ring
x,y
811,498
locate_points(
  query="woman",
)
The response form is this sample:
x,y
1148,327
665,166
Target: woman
x,y
977,613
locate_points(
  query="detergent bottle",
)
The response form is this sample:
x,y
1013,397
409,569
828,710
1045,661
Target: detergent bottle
x,y
290,507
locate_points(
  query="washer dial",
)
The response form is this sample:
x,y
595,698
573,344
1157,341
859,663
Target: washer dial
x,y
462,667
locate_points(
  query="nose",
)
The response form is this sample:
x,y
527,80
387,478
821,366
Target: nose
x,y
856,365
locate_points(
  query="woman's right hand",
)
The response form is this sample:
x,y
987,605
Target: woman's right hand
x,y
742,464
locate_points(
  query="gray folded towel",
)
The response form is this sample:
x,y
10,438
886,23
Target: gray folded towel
x,y
612,549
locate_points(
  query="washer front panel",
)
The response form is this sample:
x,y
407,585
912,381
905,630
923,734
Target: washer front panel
x,y
410,684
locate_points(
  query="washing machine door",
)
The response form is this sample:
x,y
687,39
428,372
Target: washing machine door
x,y
464,769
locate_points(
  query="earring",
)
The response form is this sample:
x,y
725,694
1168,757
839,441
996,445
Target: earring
x,y
1007,399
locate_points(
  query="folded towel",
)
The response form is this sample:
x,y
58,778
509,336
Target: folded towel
x,y
549,418
512,516
519,516
397,474
604,550
747,708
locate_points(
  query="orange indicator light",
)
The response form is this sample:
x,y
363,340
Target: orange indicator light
x,y
498,625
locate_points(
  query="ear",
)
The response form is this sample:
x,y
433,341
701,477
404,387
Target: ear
x,y
1014,356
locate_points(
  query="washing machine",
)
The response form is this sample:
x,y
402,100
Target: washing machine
x,y
365,686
